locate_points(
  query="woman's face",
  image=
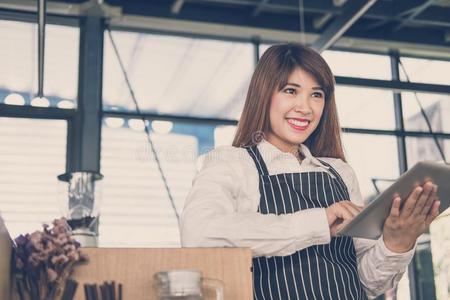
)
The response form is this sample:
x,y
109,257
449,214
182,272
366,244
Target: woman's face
x,y
295,111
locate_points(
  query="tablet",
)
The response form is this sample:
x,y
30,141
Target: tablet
x,y
369,222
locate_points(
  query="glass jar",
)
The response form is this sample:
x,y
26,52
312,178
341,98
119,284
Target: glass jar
x,y
185,284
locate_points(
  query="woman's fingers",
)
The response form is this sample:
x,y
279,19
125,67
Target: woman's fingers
x,y
359,208
433,213
410,202
395,208
342,225
343,213
431,199
425,196
340,214
353,208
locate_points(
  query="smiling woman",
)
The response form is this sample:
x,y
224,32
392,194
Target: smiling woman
x,y
295,110
256,194
292,82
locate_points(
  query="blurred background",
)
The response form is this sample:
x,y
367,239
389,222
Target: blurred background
x,y
187,64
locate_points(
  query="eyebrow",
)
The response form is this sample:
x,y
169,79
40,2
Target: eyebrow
x,y
298,85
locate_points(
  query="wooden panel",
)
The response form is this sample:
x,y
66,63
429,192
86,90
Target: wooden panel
x,y
5,261
134,268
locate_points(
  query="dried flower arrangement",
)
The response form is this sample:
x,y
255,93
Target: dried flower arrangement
x,y
45,260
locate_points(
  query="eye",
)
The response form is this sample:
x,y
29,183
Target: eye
x,y
318,95
291,91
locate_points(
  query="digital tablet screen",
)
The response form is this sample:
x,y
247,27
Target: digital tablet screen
x,y
369,223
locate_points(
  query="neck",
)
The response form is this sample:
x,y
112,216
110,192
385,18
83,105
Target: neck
x,y
288,148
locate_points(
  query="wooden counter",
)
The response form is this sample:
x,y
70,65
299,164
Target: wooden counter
x,y
134,268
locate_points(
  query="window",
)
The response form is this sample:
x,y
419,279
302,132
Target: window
x,y
365,108
32,155
362,64
425,70
177,75
18,58
374,159
436,106
136,207
419,149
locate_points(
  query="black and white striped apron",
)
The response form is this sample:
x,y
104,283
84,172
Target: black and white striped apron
x,y
317,272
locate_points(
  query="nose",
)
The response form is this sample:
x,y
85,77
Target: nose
x,y
303,105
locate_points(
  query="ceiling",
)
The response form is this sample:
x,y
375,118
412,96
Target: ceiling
x,y
417,21
414,22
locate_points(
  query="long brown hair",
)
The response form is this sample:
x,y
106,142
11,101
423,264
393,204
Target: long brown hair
x,y
271,74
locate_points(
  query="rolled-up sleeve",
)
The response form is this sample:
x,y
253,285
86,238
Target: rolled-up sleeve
x,y
379,268
211,219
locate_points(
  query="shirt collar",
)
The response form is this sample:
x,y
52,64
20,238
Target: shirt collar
x,y
269,153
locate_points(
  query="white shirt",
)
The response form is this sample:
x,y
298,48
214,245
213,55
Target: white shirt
x,y
221,211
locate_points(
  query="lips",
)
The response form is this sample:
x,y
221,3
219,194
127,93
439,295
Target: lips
x,y
298,123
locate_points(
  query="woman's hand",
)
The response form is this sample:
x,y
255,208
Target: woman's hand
x,y
339,214
407,222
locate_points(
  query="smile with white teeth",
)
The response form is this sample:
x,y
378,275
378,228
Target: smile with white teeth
x,y
298,123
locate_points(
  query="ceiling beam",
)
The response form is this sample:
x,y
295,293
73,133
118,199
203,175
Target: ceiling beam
x,y
176,7
417,11
259,8
383,12
404,16
65,8
247,33
319,22
353,10
378,12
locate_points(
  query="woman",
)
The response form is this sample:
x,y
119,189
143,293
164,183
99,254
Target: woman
x,y
284,190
